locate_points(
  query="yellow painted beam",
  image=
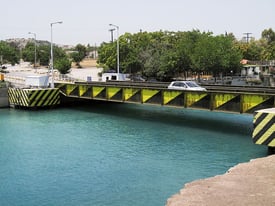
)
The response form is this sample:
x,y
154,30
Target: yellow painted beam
x,y
97,90
148,94
70,88
83,89
221,99
168,96
193,97
112,91
129,92
249,101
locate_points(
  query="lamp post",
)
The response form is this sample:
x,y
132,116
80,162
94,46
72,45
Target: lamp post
x,y
34,50
112,36
51,62
117,29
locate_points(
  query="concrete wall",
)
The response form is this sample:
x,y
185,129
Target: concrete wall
x,y
4,100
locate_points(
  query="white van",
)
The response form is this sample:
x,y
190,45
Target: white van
x,y
113,77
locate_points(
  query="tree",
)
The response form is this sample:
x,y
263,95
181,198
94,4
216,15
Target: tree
x,y
8,54
107,56
129,54
168,58
215,54
43,54
269,35
251,50
28,52
185,48
63,65
151,53
164,55
203,57
79,54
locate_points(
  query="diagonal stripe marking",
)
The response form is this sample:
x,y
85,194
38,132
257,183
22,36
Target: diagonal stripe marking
x,y
263,128
259,125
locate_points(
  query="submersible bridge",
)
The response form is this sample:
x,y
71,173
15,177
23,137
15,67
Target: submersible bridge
x,y
217,98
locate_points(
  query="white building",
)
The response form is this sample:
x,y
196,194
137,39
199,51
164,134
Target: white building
x,y
251,71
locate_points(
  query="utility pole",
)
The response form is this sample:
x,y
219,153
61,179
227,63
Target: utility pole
x,y
247,36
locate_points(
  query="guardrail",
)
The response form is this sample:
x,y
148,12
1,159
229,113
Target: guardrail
x,y
65,78
164,85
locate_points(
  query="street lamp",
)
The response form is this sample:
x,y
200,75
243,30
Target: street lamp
x,y
117,29
34,50
51,62
112,36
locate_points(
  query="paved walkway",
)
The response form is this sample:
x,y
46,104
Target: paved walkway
x,y
84,73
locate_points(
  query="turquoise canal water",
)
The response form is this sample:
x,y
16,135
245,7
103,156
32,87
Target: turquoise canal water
x,y
115,154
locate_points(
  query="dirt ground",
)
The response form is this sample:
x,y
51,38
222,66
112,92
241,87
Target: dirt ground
x,y
86,63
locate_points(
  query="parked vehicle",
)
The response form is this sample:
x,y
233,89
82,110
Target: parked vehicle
x,y
113,77
185,85
137,79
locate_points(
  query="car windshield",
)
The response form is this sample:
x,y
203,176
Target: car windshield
x,y
192,84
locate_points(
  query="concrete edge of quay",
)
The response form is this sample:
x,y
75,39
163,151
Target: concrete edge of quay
x,y
251,183
4,100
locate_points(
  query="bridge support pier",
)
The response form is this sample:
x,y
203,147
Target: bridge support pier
x,y
33,98
264,128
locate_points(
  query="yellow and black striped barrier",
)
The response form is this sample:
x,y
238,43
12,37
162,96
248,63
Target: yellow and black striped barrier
x,y
264,127
33,98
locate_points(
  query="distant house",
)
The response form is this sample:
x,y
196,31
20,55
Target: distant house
x,y
259,70
93,54
251,71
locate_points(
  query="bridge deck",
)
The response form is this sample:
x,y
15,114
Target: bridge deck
x,y
227,99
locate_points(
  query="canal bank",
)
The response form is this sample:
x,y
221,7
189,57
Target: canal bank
x,y
251,183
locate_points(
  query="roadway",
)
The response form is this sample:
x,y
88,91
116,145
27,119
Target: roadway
x,y
164,85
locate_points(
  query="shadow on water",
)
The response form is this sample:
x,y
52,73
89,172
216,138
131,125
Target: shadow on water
x,y
200,119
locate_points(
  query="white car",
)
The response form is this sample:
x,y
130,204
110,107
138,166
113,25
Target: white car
x,y
185,85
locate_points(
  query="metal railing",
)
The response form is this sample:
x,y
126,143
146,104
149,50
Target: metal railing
x,y
65,78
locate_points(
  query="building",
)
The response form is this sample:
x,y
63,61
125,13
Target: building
x,y
259,72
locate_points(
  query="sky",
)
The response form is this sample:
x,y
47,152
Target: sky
x,y
87,21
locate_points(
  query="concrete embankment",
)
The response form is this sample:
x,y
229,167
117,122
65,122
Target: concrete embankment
x,y
4,102
251,183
